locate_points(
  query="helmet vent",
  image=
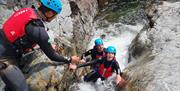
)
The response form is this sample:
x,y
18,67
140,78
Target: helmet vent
x,y
48,3
54,5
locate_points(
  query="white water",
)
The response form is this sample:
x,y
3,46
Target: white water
x,y
120,37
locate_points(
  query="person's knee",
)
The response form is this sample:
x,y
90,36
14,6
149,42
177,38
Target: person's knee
x,y
87,78
6,70
23,87
2,66
91,76
14,79
17,88
102,78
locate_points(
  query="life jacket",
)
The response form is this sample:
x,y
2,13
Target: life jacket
x,y
105,72
99,56
14,27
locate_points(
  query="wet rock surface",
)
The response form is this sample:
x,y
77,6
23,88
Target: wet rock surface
x,y
71,31
155,53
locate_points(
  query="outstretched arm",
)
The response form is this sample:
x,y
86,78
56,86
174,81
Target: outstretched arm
x,y
89,52
40,36
119,80
117,68
87,64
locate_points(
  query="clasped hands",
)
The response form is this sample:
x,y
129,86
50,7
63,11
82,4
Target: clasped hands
x,y
74,61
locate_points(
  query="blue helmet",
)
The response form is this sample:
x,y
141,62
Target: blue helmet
x,y
55,5
98,42
111,49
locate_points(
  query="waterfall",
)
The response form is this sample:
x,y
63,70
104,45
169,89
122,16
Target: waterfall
x,y
120,36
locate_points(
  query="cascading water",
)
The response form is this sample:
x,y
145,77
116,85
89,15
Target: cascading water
x,y
120,36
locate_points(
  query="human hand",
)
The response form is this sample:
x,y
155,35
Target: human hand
x,y
75,59
120,81
54,47
82,61
72,66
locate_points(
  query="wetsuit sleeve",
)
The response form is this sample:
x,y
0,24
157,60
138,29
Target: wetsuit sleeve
x,y
89,52
117,68
87,64
40,36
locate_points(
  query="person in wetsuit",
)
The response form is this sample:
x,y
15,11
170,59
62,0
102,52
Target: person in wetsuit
x,y
97,52
20,33
106,66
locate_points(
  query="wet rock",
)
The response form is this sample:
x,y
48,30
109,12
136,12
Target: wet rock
x,y
127,12
155,55
102,3
71,29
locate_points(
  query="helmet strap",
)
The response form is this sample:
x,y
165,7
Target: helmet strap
x,y
42,12
42,15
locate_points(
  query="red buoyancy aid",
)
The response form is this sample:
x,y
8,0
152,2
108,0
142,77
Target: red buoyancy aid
x,y
105,72
14,27
100,56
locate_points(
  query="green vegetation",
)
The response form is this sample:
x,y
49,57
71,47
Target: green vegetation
x,y
114,12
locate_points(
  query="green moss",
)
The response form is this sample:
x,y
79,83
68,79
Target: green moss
x,y
121,10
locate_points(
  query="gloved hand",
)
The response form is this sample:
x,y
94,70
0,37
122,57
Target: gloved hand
x,y
75,59
120,81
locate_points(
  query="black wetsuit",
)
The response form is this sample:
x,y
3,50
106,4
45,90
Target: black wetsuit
x,y
35,33
95,55
94,75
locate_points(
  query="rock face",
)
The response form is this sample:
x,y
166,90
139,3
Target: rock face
x,y
71,31
155,53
